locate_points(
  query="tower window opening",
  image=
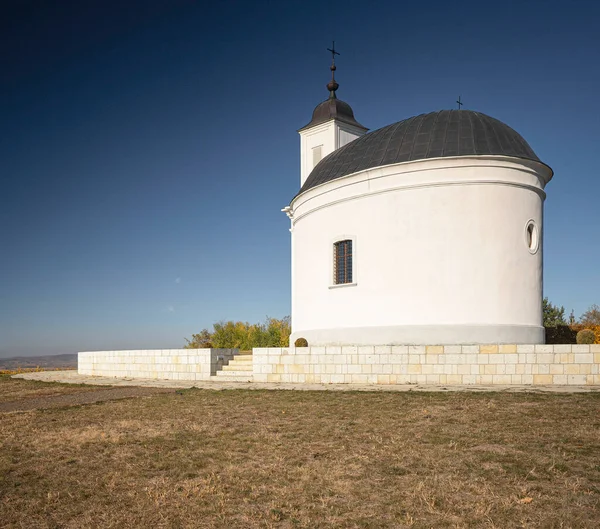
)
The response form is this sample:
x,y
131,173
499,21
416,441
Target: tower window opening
x,y
342,259
532,237
317,155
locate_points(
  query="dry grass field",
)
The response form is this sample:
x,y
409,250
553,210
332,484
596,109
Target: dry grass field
x,y
284,459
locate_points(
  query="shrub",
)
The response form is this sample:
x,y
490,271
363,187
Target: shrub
x,y
585,336
561,334
301,342
243,335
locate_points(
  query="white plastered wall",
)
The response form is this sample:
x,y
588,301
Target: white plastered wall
x,y
441,254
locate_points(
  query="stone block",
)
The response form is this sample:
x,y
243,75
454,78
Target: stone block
x,y
366,350
595,348
333,350
416,349
542,348
454,379
386,369
383,349
512,358
545,358
488,349
414,369
431,358
516,379
597,358
464,369
571,369
556,369
585,369
452,349
470,349
434,349
452,359
584,358
496,359
525,348
470,379
403,350
580,348
577,380
562,348
542,380
383,379
508,348
471,359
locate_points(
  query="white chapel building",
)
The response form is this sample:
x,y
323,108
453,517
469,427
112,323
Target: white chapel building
x,y
426,231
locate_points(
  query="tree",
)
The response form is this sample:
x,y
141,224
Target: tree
x,y
591,316
553,315
203,340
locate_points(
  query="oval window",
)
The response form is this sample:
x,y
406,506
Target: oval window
x,y
532,237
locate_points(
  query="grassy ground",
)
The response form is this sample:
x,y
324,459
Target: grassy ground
x,y
286,459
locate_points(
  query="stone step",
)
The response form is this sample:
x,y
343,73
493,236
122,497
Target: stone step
x,y
234,366
244,360
228,378
235,374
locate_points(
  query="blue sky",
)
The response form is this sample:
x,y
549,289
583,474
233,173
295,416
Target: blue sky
x,y
148,147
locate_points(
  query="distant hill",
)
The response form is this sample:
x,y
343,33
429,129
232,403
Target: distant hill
x,y
48,361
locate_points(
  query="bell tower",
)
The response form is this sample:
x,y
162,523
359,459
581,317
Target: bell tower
x,y
332,126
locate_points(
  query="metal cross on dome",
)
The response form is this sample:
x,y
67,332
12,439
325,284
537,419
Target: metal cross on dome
x,y
460,104
333,52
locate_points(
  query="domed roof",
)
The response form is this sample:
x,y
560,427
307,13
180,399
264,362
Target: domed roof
x,y
434,135
333,108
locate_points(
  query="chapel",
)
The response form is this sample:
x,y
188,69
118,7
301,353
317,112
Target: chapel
x,y
425,231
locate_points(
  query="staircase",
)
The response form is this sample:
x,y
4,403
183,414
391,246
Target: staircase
x,y
237,370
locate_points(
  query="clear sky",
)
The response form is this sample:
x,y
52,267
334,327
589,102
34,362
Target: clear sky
x,y
147,147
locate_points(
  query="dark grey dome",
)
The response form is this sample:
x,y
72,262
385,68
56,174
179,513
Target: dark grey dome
x,y
333,108
433,135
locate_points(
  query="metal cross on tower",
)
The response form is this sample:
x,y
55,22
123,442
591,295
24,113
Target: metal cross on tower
x,y
460,104
333,52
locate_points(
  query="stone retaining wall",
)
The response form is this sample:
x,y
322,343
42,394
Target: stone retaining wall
x,y
432,364
164,364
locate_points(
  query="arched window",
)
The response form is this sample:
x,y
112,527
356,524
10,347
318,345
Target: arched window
x,y
342,262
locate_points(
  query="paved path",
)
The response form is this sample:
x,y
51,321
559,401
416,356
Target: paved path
x,y
72,377
77,399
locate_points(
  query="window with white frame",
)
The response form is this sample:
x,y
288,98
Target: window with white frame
x,y
342,262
